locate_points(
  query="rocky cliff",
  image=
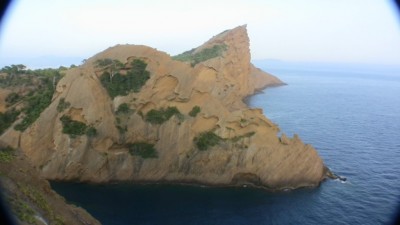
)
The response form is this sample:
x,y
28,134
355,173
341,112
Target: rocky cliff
x,y
29,197
180,119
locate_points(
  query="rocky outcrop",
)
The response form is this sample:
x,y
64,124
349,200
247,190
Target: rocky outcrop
x,y
30,198
247,149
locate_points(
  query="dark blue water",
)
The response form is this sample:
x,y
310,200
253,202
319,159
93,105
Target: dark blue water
x,y
353,120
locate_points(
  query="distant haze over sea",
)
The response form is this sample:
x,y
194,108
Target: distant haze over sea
x,y
267,64
57,61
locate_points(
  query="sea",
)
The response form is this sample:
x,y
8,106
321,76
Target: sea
x,y
349,113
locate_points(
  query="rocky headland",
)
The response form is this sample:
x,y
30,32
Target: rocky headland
x,y
132,113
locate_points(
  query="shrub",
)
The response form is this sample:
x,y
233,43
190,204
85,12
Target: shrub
x,y
103,62
195,110
12,98
201,56
246,135
41,82
160,116
139,74
35,197
8,118
23,211
91,131
120,84
122,129
35,105
185,56
142,149
6,154
123,109
206,140
72,127
62,105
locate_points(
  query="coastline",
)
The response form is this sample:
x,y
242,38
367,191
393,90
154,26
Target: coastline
x,y
193,183
260,91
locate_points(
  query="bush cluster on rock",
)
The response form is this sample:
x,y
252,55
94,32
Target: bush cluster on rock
x,y
201,56
63,105
206,140
6,154
162,115
142,149
76,128
118,84
195,110
7,118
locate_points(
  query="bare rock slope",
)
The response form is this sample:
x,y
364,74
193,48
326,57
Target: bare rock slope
x,y
206,135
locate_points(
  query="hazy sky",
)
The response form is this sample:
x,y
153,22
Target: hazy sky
x,y
354,31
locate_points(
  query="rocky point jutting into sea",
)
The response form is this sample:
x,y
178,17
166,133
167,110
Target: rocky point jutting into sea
x,y
132,113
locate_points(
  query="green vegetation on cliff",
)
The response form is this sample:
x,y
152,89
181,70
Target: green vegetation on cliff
x,y
76,128
195,110
35,91
6,154
206,140
119,84
122,116
12,98
209,139
91,131
63,105
201,56
162,115
123,109
142,149
35,105
23,211
240,137
72,127
7,118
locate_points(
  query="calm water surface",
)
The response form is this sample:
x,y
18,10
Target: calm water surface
x,y
351,117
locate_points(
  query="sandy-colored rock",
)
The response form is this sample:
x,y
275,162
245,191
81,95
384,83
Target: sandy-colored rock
x,y
250,151
3,95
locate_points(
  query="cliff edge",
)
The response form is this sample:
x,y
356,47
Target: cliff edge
x,y
132,113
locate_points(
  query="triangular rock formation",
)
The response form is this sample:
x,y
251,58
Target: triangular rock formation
x,y
186,123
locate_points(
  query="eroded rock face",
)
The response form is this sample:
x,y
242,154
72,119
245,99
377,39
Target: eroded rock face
x,y
248,150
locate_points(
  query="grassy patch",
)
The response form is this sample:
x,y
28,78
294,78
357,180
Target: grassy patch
x,y
142,149
160,116
195,110
23,211
206,140
36,197
201,56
